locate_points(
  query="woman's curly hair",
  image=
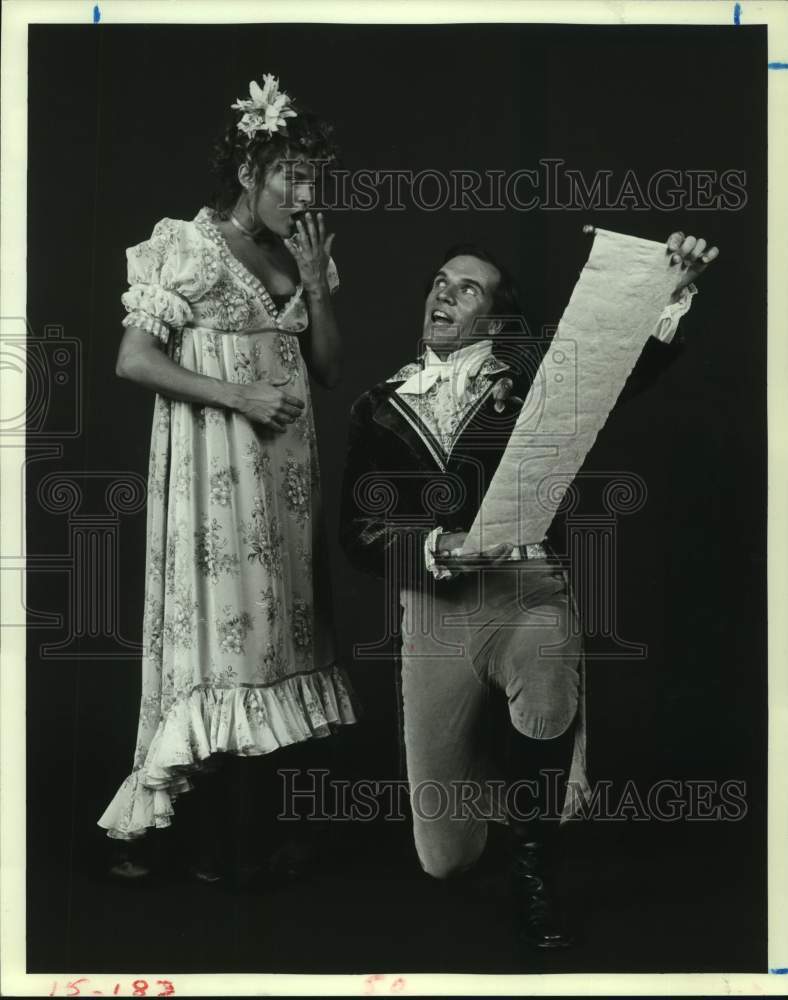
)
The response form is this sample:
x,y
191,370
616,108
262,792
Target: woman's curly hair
x,y
307,136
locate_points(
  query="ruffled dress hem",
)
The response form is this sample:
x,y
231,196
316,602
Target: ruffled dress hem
x,y
244,721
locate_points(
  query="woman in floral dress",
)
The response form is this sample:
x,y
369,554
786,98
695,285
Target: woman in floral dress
x,y
228,314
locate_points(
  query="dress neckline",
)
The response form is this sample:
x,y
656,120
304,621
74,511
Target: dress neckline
x,y
205,220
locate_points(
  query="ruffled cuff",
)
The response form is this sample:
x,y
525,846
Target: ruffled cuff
x,y
430,544
149,323
668,322
155,309
332,276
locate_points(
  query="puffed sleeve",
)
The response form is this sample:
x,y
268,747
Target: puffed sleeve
x,y
161,275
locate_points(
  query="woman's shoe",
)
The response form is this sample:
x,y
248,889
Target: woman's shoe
x,y
206,875
127,863
206,866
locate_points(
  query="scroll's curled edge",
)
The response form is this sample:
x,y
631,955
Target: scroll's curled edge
x,y
614,308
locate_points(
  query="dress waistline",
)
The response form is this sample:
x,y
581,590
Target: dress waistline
x,y
197,328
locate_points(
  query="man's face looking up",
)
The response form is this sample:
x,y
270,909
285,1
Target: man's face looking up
x,y
462,291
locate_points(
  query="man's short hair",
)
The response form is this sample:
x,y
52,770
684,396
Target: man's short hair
x,y
506,295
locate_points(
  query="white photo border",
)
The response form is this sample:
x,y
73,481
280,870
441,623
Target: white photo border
x,y
17,15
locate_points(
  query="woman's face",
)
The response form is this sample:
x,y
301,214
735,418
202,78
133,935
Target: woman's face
x,y
288,188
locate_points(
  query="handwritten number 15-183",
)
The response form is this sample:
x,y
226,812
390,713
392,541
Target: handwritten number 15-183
x,y
140,987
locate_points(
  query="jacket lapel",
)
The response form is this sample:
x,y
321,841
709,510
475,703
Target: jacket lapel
x,y
396,416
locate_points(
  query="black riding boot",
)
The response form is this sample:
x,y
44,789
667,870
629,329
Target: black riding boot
x,y
537,843
541,921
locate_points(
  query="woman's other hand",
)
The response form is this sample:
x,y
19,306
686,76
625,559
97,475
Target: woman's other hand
x,y
265,403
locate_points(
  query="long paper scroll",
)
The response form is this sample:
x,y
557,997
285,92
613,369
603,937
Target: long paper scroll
x,y
613,310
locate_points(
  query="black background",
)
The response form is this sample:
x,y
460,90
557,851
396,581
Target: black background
x,y
121,120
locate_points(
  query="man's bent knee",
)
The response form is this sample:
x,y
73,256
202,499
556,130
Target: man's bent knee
x,y
542,727
543,702
444,856
445,867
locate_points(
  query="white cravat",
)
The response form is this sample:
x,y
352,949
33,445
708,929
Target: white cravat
x,y
457,368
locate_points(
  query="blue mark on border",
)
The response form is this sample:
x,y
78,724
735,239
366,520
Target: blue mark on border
x,y
96,14
779,972
771,65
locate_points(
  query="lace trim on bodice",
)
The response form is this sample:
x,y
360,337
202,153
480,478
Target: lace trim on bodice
x,y
204,221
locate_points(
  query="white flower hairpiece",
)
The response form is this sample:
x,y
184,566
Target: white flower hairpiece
x,y
267,110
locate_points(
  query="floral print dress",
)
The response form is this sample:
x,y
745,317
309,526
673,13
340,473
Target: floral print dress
x,y
238,653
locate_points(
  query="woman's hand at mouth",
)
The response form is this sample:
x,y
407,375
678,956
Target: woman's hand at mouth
x,y
311,250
